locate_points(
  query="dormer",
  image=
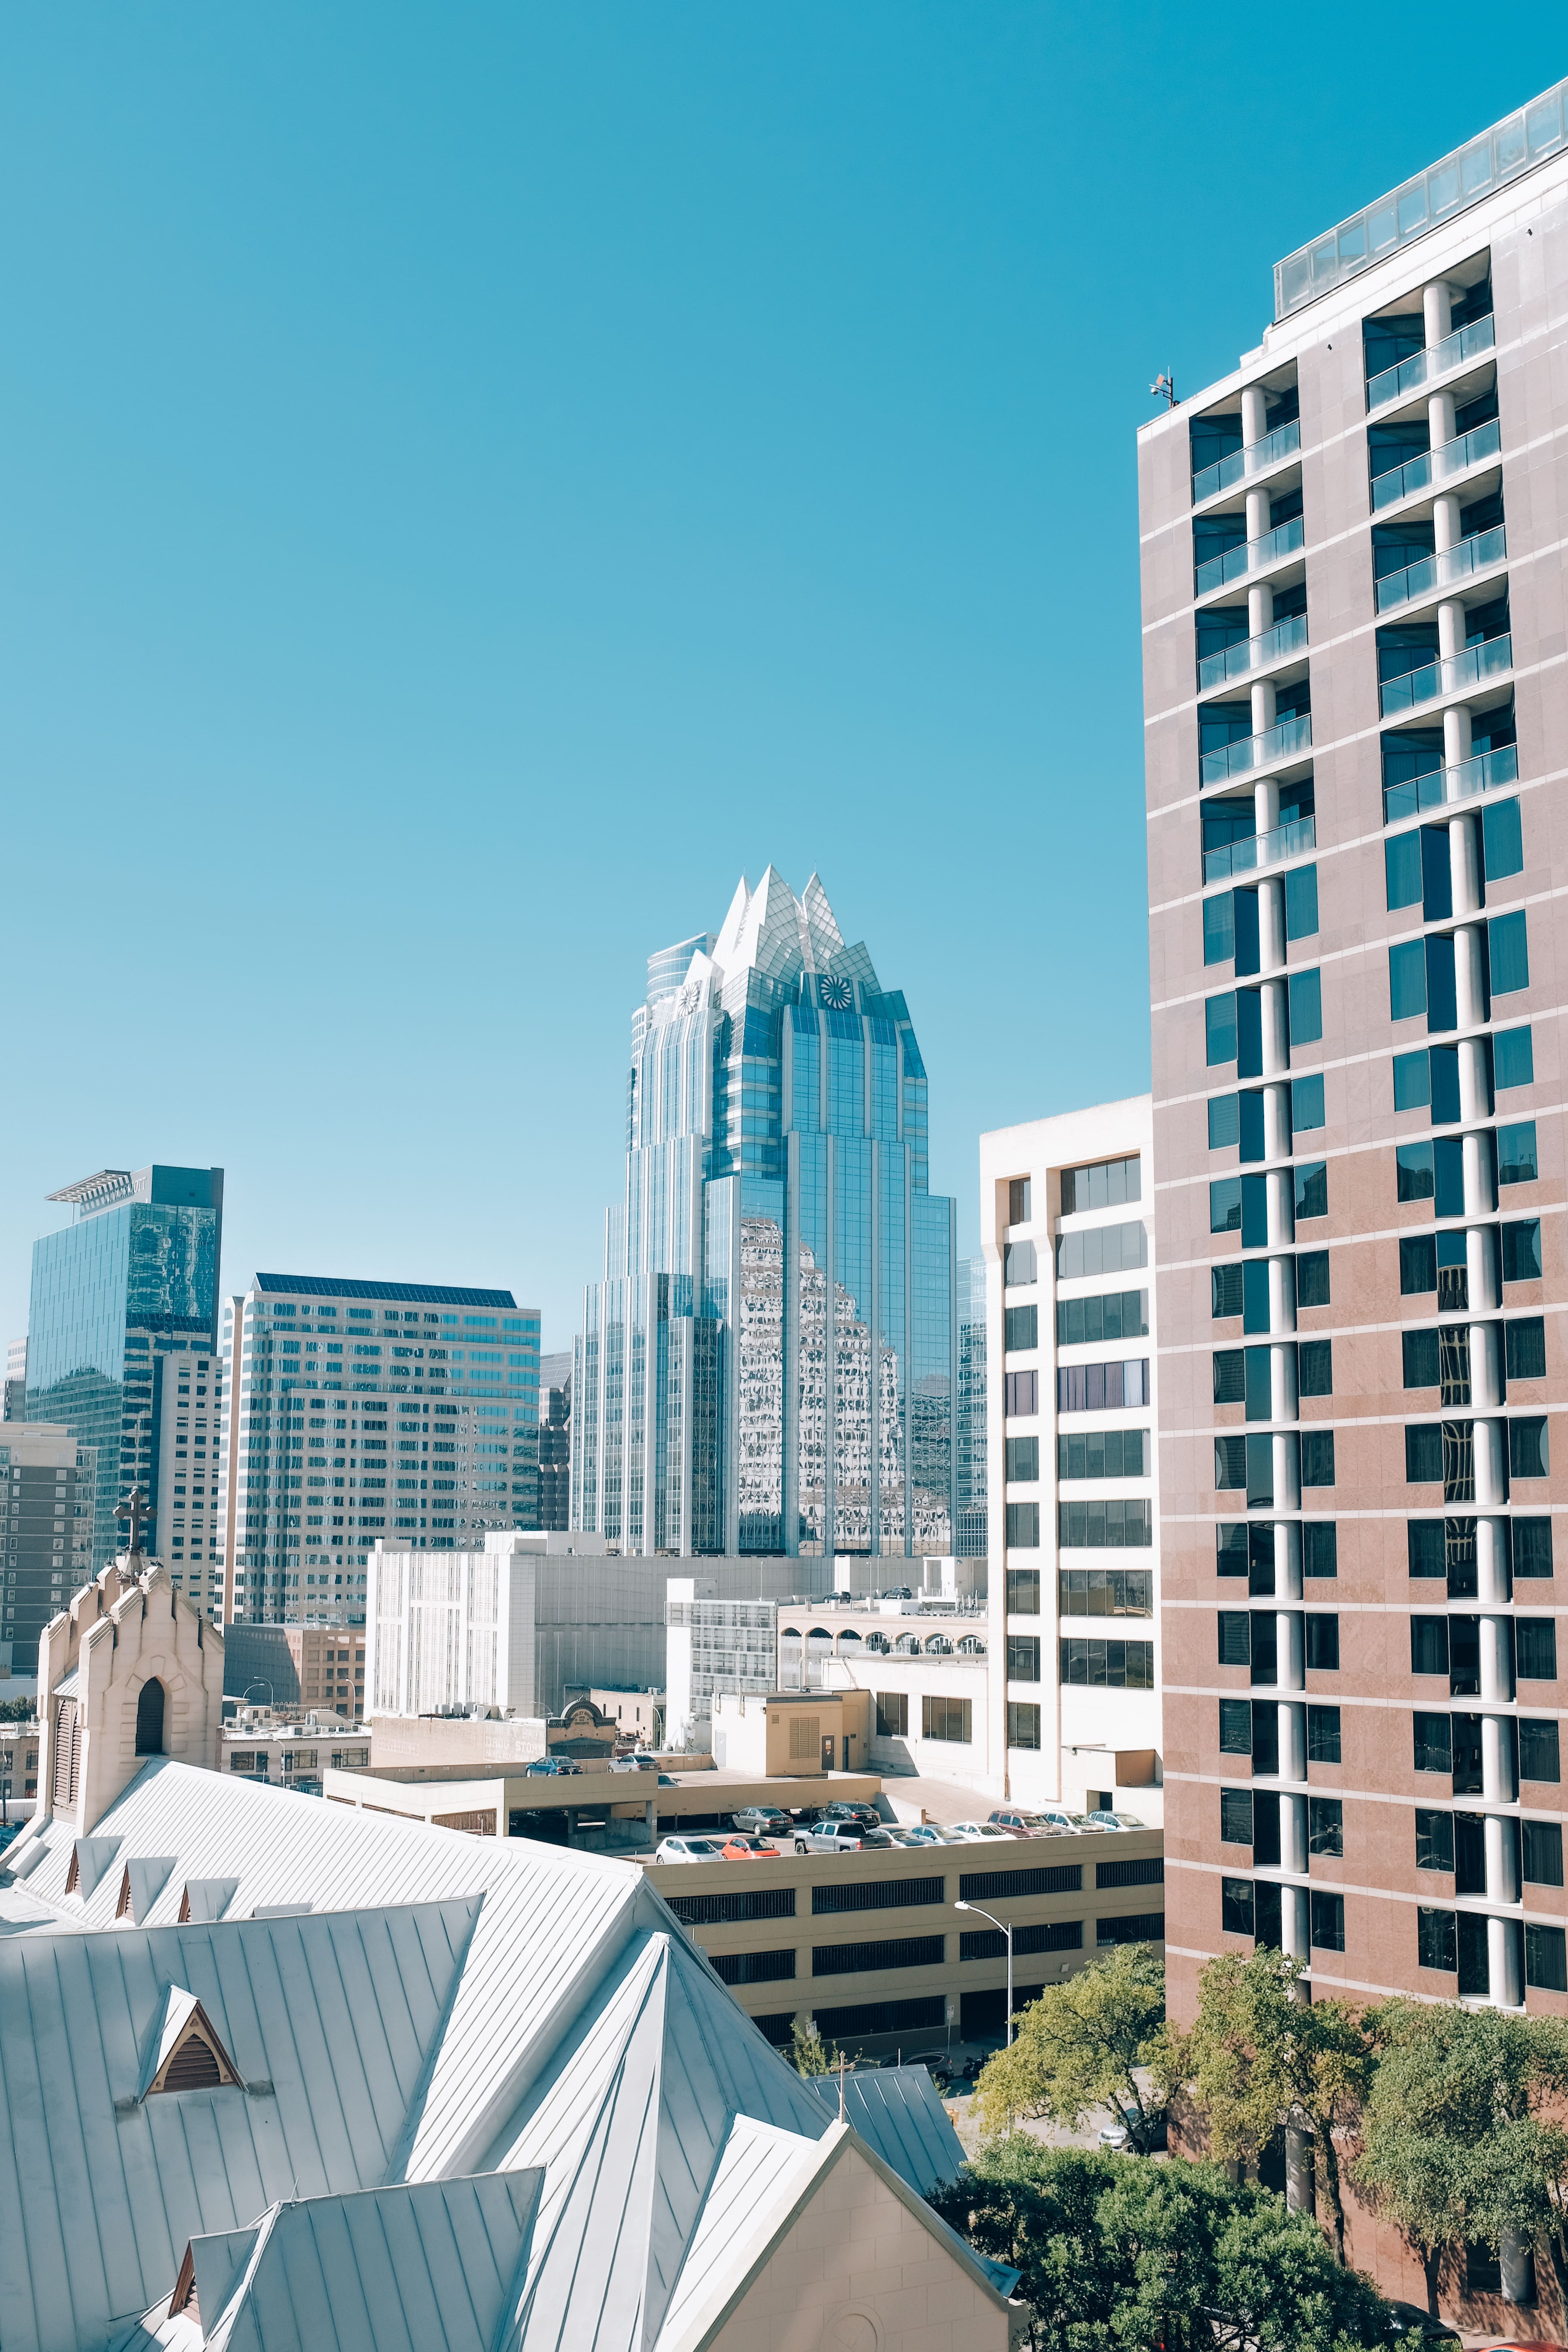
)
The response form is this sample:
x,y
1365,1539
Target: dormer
x,y
185,2051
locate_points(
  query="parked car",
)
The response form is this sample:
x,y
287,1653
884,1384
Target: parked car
x,y
689,1849
1102,1820
924,1834
838,1837
843,1809
763,1820
635,1764
551,1767
1125,2132
1019,1824
1415,2330
667,1780
739,1847
975,1832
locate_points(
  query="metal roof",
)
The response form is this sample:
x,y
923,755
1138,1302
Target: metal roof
x,y
414,1293
897,2109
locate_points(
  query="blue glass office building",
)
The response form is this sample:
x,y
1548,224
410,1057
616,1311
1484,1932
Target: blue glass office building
x,y
130,1282
769,1364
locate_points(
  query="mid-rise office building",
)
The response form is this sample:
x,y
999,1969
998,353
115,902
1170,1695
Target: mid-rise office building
x,y
969,1526
556,1441
186,1514
1356,688
46,1532
1068,1228
770,1362
122,1298
14,1406
362,1411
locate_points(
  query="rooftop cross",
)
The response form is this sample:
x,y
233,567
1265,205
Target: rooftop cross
x,y
134,1510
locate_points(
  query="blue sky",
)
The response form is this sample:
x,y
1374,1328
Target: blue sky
x,y
477,479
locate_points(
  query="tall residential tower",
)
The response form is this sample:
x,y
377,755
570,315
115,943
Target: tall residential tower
x,y
1356,668
769,1364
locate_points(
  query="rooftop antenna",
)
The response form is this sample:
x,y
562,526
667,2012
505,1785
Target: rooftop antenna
x,y
1164,388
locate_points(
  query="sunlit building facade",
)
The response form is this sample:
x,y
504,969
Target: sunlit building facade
x,y
770,1362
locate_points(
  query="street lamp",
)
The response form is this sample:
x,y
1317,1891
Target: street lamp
x,y
1007,1931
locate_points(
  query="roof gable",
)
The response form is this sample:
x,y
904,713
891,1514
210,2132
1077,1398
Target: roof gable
x,y
181,2033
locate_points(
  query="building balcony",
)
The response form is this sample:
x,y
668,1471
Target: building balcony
x,y
1247,465
1487,772
1437,465
1286,841
1254,555
1428,370
1435,680
1436,572
1249,755
1254,654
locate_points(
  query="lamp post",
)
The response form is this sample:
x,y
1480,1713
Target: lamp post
x,y
1007,1931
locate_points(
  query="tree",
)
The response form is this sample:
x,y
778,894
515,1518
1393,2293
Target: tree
x,y
1453,2146
809,2053
1081,2046
18,1710
1114,2251
1259,2056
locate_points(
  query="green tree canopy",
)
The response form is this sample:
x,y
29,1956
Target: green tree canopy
x,y
808,2052
1259,2056
1117,2254
1081,2046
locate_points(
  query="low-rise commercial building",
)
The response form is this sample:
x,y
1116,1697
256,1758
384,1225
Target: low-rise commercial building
x,y
294,1755
19,1770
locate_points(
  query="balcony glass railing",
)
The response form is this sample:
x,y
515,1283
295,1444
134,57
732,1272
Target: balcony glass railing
x,y
1249,752
1473,554
1262,849
1436,465
1484,773
1284,638
1252,555
1435,679
1283,442
1425,367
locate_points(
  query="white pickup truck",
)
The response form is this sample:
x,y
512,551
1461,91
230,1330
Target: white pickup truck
x,y
838,1837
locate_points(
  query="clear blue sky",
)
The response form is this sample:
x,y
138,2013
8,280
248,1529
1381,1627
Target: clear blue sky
x,y
478,478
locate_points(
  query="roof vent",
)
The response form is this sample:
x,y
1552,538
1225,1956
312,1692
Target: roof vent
x,y
91,1857
206,1899
185,2053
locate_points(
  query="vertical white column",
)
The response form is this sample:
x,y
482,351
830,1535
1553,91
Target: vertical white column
x,y
1292,1739
1481,1196
1465,864
1469,988
1451,627
1271,924
1263,705
1289,1650
1498,1784
1503,1963
1456,736
1475,1082
1287,1560
1275,1024
1445,524
1437,306
1266,805
1293,1834
1440,424
1503,1873
1283,1403
1486,1365
1257,514
1286,1477
1497,1662
1281,1280
1281,1199
1492,1464
1293,1923
1481,1270
1494,1579
1260,607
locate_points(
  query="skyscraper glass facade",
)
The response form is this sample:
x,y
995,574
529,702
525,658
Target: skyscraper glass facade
x,y
769,1364
134,1281
969,1524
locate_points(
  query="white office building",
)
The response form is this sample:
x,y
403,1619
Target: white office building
x,y
188,1513
1068,1231
361,1413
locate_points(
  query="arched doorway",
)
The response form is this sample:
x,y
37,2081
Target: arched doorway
x,y
150,1720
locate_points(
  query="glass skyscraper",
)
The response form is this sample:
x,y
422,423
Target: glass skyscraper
x,y
133,1281
769,1364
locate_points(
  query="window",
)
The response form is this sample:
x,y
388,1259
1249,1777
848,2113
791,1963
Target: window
x,y
1114,1315
1526,1346
1230,1374
1236,1906
1104,1453
1225,1122
1315,1362
1225,1205
1323,1644
1402,870
1513,1060
1019,1212
1328,1918
1022,1457
1417,1265
1537,1641
1106,1593
1433,1750
1436,1944
945,1718
1434,1840
1236,1817
1522,1251
1106,1185
891,1952
1021,1394
1108,1665
1236,1726
1022,1327
1311,1189
1023,1592
876,1894
1104,1388
1230,1464
1219,928
1023,1526
1406,979
1313,1278
1317,1457
1325,1825
1023,1657
1424,1452
1503,840
1306,1003
892,1715
1104,1249
1300,902
1419,1353
726,1910
1226,1291
1105,1526
1319,1547
1142,1928
1322,1734
1531,1548
1537,1749
1508,952
1235,1637
1545,1958
1023,1724
1543,1852
1413,1178
1516,1159
1529,1453
1219,1028
1019,1265
1429,1646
